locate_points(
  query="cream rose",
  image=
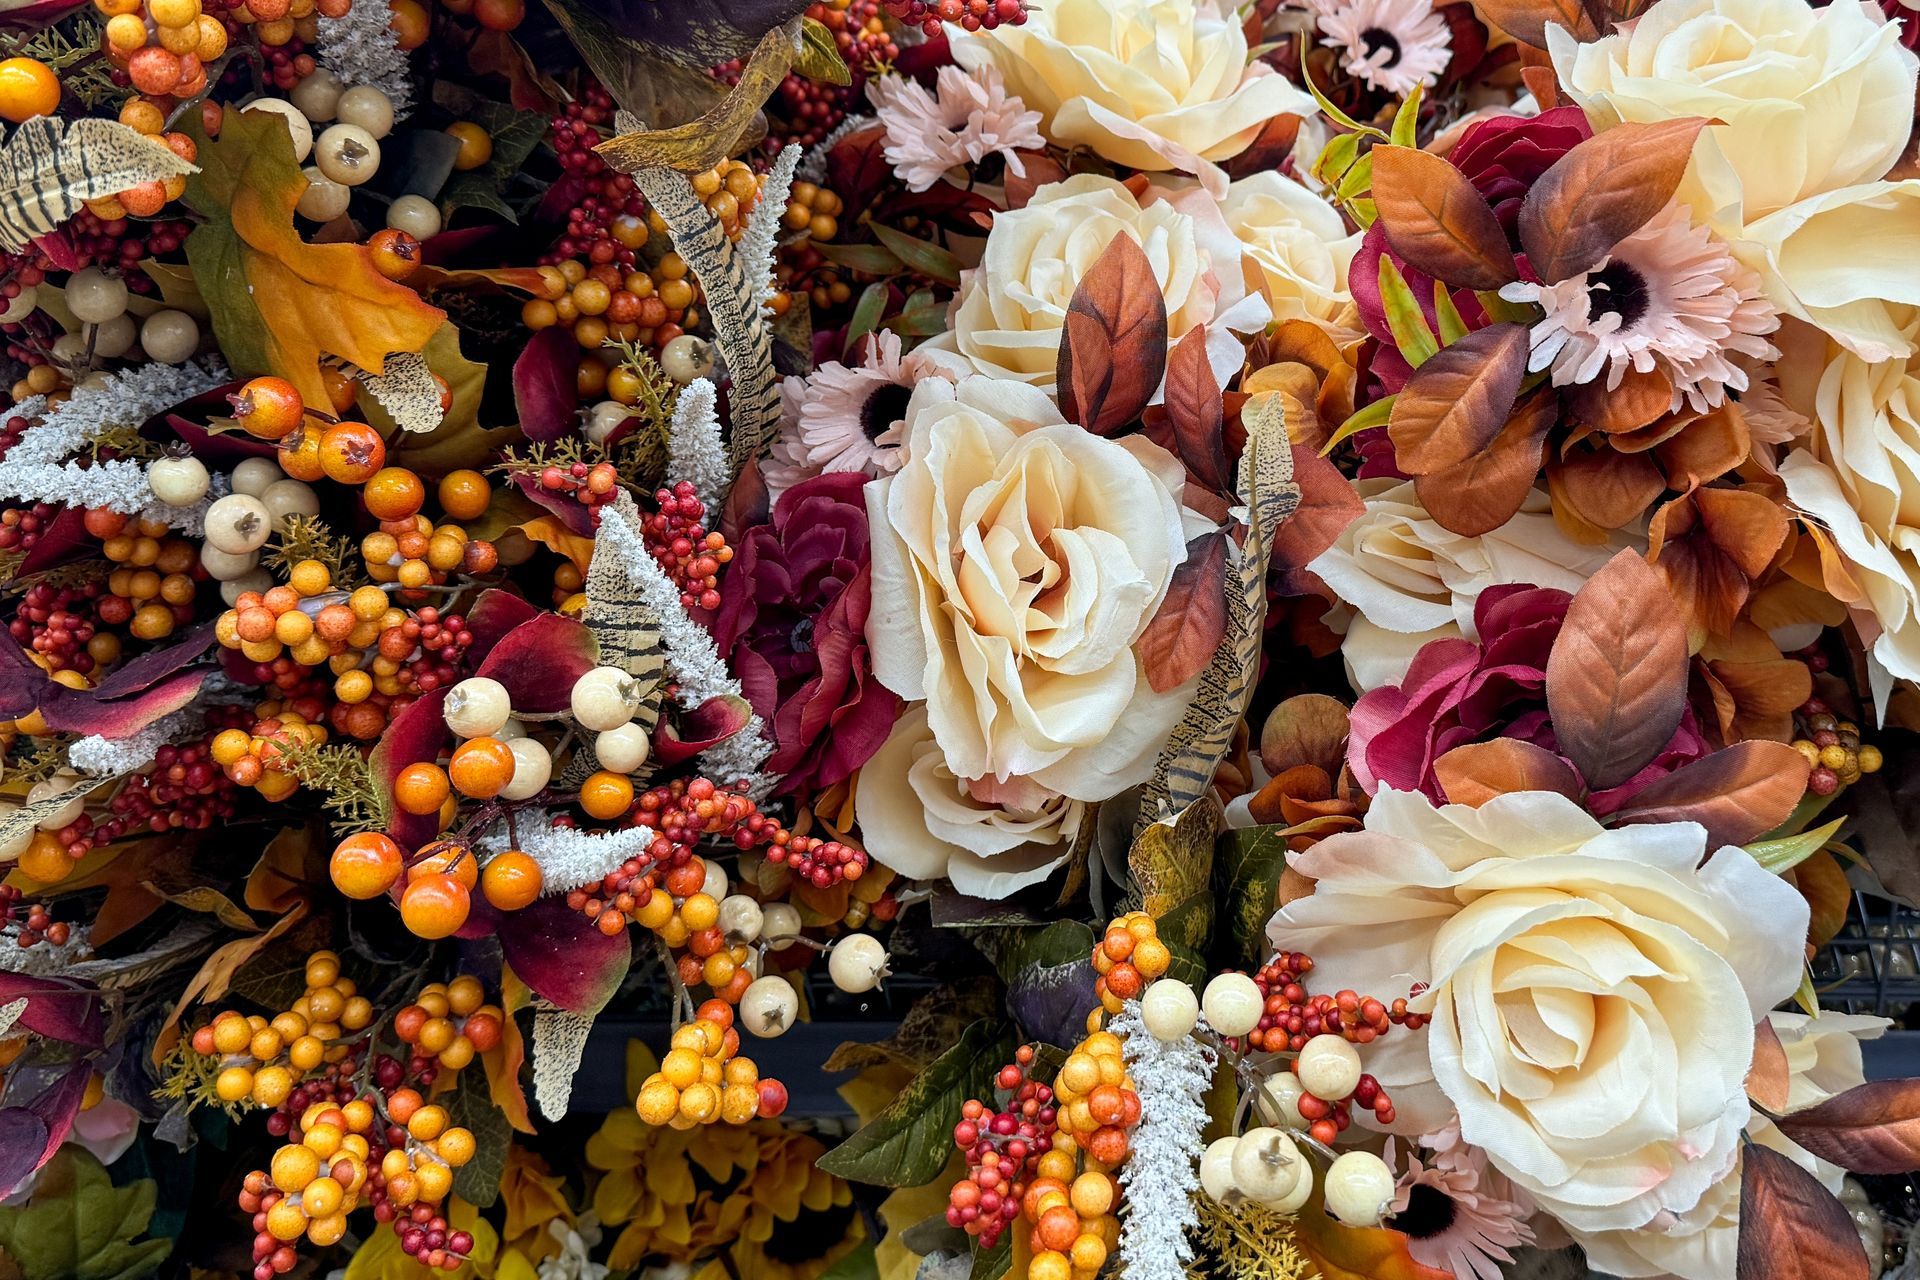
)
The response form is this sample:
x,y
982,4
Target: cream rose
x,y
1593,992
1016,559
1150,84
1011,309
1297,246
1401,580
989,838
1811,100
1859,475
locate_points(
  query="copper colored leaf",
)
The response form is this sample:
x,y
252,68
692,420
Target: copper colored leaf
x,y
1769,1076
1710,546
1791,1227
1528,20
1482,493
1196,412
1638,400
1617,676
1604,487
1181,639
1871,1128
1601,192
1477,772
1113,349
1738,793
1456,403
1437,221
1328,504
1823,883
1356,1253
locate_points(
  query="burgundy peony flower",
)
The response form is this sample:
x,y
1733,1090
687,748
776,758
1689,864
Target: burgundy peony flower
x,y
1458,691
792,625
1503,157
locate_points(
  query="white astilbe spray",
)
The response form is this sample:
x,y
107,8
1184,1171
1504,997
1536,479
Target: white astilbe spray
x,y
39,467
1161,1175
112,757
559,1042
570,858
44,959
361,48
695,451
761,239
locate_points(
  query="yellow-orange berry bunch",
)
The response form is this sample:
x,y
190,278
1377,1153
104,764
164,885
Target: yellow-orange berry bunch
x,y
1127,958
304,618
415,552
263,1060
729,190
1096,1101
449,1024
649,306
704,1078
1833,751
165,46
153,589
311,1184
1073,1227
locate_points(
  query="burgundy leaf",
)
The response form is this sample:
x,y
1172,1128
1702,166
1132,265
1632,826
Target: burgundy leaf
x,y
1791,1227
546,383
682,737
58,1008
563,957
539,661
149,668
1196,412
858,167
1871,1128
1192,619
25,1147
416,736
564,507
1113,348
58,543
124,717
494,614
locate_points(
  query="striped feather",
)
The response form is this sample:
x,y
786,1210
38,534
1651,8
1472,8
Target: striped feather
x,y
50,167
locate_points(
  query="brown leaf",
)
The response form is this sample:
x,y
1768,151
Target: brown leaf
x,y
1602,191
1823,883
1436,220
1710,545
1479,771
1604,487
1707,448
1528,20
1196,413
1306,729
1482,493
1639,399
1738,793
1455,404
1769,1076
1113,349
1791,1227
1543,84
1753,688
1192,620
1041,169
1871,1128
1328,504
1617,676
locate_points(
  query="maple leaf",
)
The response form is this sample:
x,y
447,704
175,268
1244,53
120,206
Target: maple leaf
x,y
279,305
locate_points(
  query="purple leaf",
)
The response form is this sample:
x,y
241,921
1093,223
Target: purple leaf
x,y
51,1114
545,384
123,717
149,668
563,956
564,507
58,1008
539,661
57,543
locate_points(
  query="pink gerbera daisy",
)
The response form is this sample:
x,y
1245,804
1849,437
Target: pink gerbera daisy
x,y
1390,45
845,417
1452,1223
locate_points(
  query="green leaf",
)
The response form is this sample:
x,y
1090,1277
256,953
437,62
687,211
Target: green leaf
x,y
907,1145
1373,415
515,134
991,1264
1452,327
478,1180
1788,852
1409,326
918,322
1499,310
1247,867
1805,996
78,1226
819,57
1406,121
1336,157
930,260
1363,212
866,313
1357,179
1334,113
875,260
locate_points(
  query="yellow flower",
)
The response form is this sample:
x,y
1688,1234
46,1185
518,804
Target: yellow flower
x,y
533,1197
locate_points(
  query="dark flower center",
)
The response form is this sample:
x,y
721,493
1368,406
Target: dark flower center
x,y
801,638
1429,1213
1374,40
886,406
1619,289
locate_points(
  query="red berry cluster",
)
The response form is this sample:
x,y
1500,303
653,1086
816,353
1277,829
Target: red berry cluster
x,y
970,15
21,527
183,791
1002,1149
122,243
428,1238
691,556
861,32
1293,1017
57,623
430,646
602,198
30,923
594,486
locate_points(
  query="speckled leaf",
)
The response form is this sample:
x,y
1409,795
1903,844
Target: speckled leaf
x,y
908,1143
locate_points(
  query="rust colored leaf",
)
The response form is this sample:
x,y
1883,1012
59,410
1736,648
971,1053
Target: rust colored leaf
x,y
1328,504
1436,220
1769,1076
1791,1227
1356,1253
1479,771
1738,793
1706,448
1183,635
1604,487
1617,676
1872,1128
1113,348
1456,403
1543,84
1196,412
1823,883
1638,400
1528,20
1710,545
1482,493
1602,191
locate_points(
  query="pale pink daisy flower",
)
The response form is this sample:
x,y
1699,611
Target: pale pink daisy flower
x,y
845,417
971,117
1390,45
1670,297
1452,1222
1771,421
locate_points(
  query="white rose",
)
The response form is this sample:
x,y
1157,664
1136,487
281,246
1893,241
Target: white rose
x,y
1007,320
1150,84
1402,580
1016,559
1810,100
1593,992
989,838
1297,246
1859,475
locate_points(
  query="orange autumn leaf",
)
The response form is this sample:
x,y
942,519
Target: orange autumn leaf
x,y
556,537
503,1061
281,305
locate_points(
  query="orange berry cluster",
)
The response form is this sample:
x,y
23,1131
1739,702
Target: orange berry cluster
x,y
650,306
153,590
312,1183
264,1060
1129,957
1074,1227
729,190
165,46
306,619
1096,1100
147,199
415,552
449,1023
705,1078
258,759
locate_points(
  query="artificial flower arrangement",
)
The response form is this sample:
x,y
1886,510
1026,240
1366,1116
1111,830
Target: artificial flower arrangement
x,y
1317,600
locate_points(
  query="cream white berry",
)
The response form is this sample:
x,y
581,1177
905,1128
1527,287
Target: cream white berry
x,y
779,923
532,768
857,963
179,482
623,748
1232,1004
740,918
1266,1164
477,707
237,524
605,698
768,1006
1359,1188
1169,1009
1328,1067
1216,1170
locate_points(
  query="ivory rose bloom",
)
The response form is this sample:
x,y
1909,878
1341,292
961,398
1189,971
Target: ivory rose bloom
x,y
1011,309
989,838
1297,246
1153,85
1402,580
1016,559
1593,992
